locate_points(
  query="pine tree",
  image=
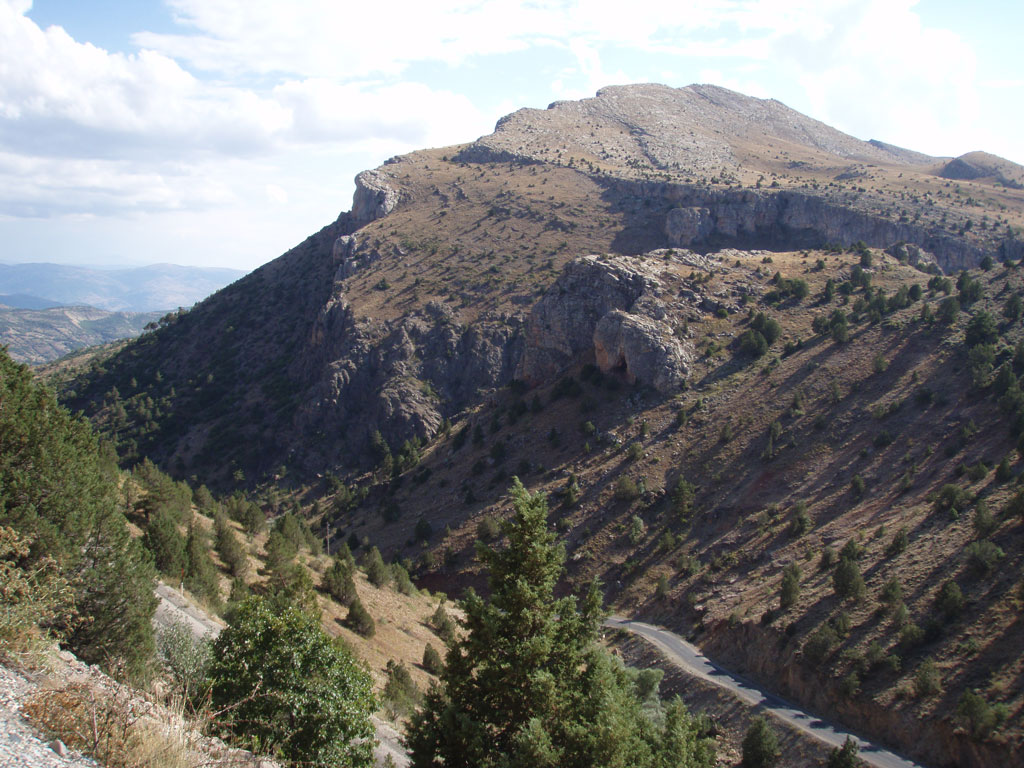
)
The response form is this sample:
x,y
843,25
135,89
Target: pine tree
x,y
526,684
59,489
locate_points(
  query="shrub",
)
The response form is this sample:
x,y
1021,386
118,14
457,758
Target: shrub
x,y
283,686
820,644
432,661
847,580
186,660
760,745
978,716
892,592
900,542
926,680
637,530
800,523
984,522
828,559
950,600
339,583
982,557
359,619
845,756
442,624
401,696
849,687
789,590
682,498
376,571
857,486
626,489
951,498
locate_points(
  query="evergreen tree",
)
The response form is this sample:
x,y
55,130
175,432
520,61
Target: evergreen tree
x,y
200,573
760,745
59,490
338,581
526,684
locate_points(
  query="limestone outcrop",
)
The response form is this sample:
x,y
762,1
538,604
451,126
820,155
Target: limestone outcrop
x,y
374,198
608,311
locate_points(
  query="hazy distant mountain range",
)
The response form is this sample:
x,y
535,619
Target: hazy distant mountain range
x,y
136,289
48,310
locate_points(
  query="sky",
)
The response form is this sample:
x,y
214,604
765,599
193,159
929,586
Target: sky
x,y
223,132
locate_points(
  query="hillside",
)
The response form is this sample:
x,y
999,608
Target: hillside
x,y
36,336
715,331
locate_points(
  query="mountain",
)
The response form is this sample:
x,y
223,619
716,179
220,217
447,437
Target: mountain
x,y
37,336
136,289
717,333
24,301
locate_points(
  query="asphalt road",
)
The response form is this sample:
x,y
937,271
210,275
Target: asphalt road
x,y
693,661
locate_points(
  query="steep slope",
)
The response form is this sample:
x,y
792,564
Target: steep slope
x,y
399,314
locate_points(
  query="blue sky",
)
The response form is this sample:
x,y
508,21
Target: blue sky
x,y
222,132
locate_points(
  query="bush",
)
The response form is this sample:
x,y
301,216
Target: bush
x,y
950,600
820,644
376,572
845,756
31,598
926,680
359,620
186,660
800,523
847,580
789,589
982,557
978,716
432,661
900,542
339,582
488,529
284,687
760,745
401,696
442,624
626,489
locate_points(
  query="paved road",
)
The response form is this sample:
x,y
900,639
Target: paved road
x,y
694,662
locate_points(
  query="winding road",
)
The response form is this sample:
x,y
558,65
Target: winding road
x,y
693,661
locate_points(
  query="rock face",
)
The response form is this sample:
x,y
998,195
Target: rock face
x,y
604,310
643,348
709,219
374,198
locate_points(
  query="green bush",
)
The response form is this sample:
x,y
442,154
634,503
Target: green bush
x,y
927,681
789,590
186,661
432,661
760,745
982,557
339,583
847,580
284,687
845,756
359,619
978,716
488,529
626,489
819,645
376,572
950,600
400,695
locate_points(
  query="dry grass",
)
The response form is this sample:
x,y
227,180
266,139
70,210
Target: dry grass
x,y
110,726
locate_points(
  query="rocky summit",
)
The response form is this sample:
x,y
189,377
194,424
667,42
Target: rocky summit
x,y
459,270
